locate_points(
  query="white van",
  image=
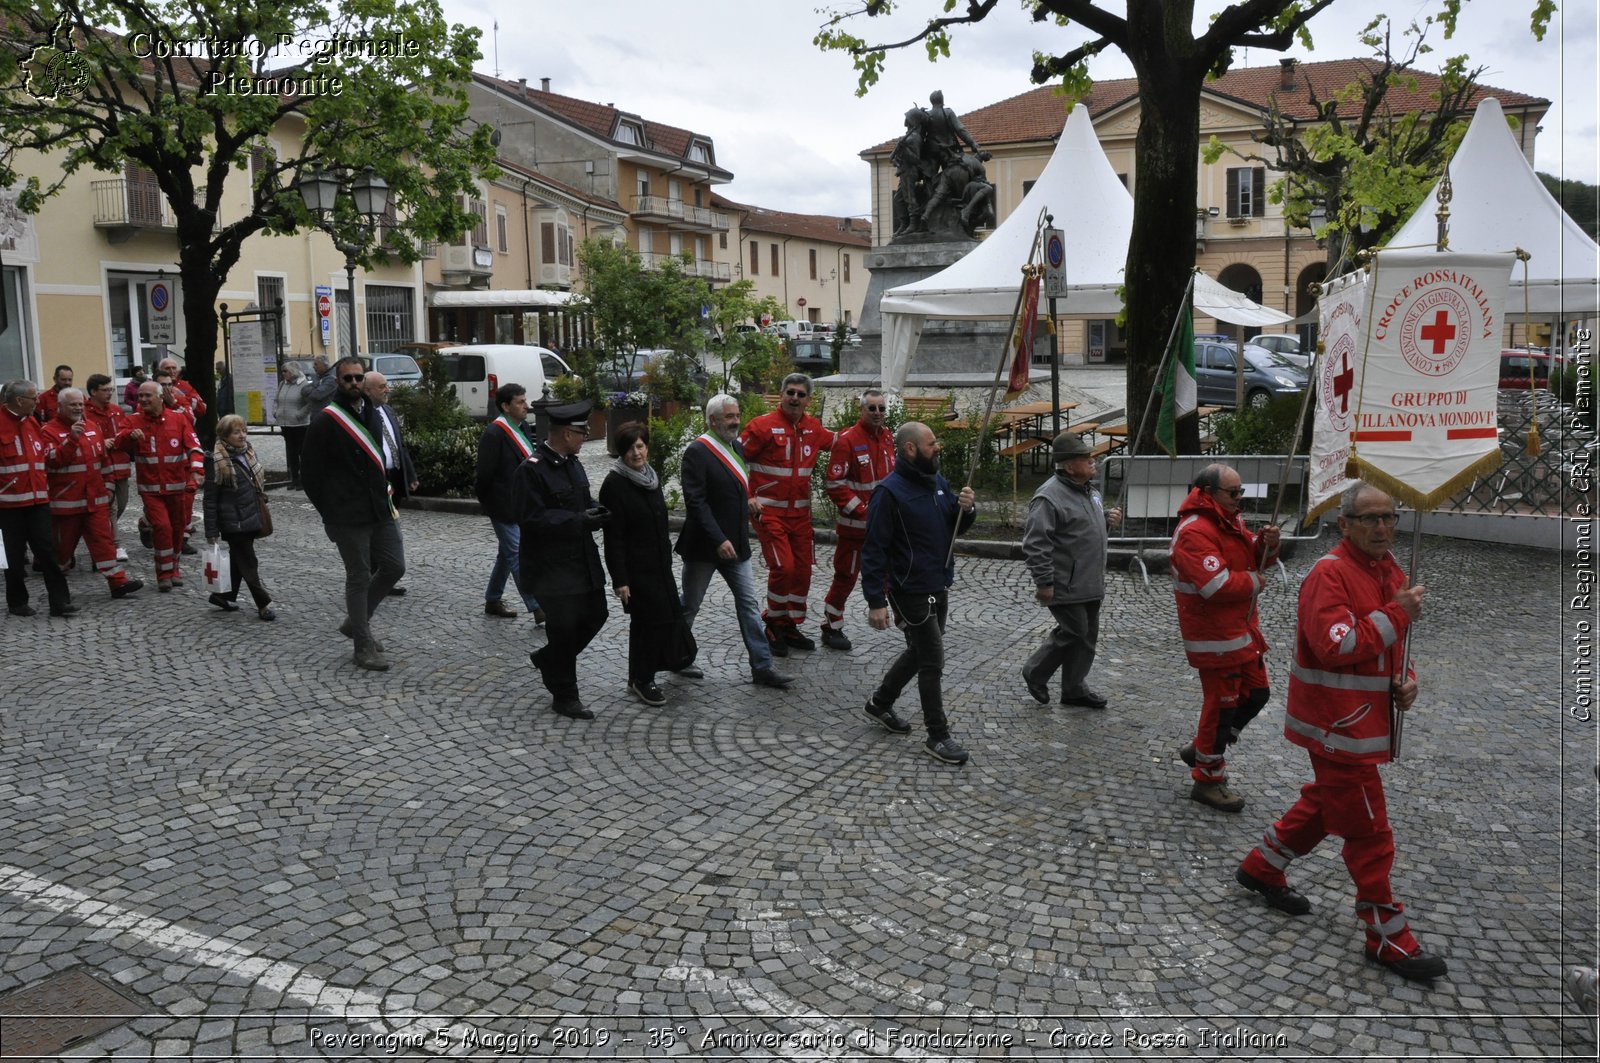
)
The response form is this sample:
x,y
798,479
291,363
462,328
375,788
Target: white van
x,y
792,329
477,370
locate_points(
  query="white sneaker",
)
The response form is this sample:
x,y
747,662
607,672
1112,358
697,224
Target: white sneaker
x,y
122,555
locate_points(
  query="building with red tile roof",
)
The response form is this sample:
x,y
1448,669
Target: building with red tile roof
x,y
813,264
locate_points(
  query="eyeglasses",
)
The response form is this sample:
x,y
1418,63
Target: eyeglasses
x,y
875,409
1373,520
795,393
353,378
1231,492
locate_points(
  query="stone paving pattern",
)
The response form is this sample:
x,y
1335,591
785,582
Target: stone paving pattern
x,y
273,849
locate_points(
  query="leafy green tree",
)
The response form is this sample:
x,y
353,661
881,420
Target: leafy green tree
x,y
1171,63
1362,166
101,88
746,354
634,308
1578,200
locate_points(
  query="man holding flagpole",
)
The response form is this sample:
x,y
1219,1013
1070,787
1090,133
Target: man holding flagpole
x,y
1355,608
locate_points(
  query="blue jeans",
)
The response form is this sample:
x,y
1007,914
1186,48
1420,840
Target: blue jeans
x,y
737,575
374,559
508,561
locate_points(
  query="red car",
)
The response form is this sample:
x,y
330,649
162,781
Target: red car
x,y
1514,368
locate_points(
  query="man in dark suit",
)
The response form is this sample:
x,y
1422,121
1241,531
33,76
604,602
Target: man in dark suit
x,y
345,480
716,531
560,562
506,443
397,467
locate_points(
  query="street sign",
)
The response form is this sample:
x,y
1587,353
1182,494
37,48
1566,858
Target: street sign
x,y
802,302
1055,264
325,312
162,321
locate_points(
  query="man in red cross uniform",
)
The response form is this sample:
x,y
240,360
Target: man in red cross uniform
x,y
185,394
80,501
168,467
781,448
106,415
50,398
25,502
1216,577
1355,607
861,456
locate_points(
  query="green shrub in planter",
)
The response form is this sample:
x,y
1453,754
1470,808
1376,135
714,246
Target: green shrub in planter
x,y
446,460
1268,429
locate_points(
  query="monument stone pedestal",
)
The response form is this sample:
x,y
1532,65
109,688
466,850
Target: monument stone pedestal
x,y
949,348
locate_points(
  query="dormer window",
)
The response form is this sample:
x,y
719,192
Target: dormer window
x,y
630,133
700,152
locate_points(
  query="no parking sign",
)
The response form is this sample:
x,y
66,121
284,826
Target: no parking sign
x,y
162,324
1055,264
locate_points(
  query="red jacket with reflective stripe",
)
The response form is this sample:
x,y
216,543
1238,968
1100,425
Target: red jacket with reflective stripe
x,y
109,422
861,457
168,454
77,480
191,399
1215,579
23,452
780,455
1348,645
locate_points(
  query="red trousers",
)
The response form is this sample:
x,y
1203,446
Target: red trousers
x,y
1345,800
789,549
1222,690
93,527
846,571
167,515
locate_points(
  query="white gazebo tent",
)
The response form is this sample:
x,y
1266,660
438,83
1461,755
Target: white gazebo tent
x,y
1499,203
1089,204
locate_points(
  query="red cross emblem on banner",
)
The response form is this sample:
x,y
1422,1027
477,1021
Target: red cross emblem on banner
x,y
1343,382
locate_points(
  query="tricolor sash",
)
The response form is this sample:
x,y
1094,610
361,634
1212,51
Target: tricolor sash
x,y
358,432
729,457
517,437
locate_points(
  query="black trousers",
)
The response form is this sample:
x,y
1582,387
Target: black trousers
x,y
922,618
294,437
28,528
242,553
571,623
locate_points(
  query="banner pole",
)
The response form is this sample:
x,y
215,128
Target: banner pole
x,y
1161,371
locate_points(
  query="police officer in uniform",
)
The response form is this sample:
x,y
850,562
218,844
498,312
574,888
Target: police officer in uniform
x,y
560,561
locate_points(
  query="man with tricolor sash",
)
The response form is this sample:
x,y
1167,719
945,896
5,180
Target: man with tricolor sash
x,y
505,444
345,479
716,530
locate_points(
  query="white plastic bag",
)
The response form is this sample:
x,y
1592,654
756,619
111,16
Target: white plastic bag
x,y
217,567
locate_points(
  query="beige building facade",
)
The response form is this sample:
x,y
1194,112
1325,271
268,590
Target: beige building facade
x,y
1241,238
812,264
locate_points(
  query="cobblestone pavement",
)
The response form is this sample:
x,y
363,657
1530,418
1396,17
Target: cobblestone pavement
x,y
274,854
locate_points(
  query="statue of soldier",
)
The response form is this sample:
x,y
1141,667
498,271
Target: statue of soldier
x,y
945,133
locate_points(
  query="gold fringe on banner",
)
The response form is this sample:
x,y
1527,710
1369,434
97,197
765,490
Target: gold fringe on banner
x,y
1319,509
1351,464
1426,503
1533,450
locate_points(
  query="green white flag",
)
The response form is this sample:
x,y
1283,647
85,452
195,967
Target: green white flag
x,y
1177,390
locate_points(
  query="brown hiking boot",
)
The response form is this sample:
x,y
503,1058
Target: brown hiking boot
x,y
1218,796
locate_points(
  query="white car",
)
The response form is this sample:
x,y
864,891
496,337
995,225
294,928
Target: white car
x,y
1285,345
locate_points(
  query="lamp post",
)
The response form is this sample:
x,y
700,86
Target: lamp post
x,y
320,191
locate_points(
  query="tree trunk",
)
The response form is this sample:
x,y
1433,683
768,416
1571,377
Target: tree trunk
x,y
1161,248
202,283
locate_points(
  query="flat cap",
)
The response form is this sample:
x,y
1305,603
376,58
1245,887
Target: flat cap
x,y
1066,445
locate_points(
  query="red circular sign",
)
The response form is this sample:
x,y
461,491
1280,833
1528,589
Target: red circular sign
x,y
324,306
801,301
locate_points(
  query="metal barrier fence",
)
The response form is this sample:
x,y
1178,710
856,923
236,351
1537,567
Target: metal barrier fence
x,y
1553,483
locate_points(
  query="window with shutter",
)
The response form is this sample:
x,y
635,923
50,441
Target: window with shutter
x,y
847,269
144,195
755,259
813,263
775,260
547,242
1258,192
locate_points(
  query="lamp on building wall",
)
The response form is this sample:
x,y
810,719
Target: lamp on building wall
x,y
320,191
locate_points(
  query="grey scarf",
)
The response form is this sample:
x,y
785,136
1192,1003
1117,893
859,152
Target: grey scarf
x,y
645,478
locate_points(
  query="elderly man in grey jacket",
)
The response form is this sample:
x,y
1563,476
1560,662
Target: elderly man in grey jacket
x,y
1064,546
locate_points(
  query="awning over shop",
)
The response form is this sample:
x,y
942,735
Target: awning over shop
x,y
536,298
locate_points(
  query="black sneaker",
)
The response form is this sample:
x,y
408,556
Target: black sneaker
x,y
777,643
64,610
945,750
886,718
1417,967
221,602
125,588
648,693
793,636
835,639
22,610
1283,898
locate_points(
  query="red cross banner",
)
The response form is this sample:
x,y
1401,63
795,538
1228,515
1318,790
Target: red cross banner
x,y
1338,384
1425,408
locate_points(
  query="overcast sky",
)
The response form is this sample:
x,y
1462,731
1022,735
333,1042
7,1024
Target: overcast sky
x,y
787,124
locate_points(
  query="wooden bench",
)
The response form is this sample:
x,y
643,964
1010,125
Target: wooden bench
x,y
1101,449
926,407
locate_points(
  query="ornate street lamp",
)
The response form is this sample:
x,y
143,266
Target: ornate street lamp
x,y
320,191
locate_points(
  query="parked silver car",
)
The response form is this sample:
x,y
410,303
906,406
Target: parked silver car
x,y
1266,376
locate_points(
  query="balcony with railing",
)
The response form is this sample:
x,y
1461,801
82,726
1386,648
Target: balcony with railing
x,y
679,214
126,207
713,271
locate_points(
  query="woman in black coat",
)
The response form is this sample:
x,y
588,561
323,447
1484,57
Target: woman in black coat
x,y
639,558
233,511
